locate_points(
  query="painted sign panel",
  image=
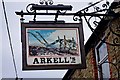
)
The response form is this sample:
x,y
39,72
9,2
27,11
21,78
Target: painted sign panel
x,y
52,46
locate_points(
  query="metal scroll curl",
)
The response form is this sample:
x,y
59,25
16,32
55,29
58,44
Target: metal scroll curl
x,y
29,8
115,30
46,2
94,20
96,9
77,18
116,41
114,27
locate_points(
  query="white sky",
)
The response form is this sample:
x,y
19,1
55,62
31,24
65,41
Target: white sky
x,y
15,30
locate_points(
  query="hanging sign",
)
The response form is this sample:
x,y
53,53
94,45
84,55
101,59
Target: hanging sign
x,y
52,46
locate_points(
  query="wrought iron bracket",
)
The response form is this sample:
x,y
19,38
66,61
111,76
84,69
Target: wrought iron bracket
x,y
32,9
95,15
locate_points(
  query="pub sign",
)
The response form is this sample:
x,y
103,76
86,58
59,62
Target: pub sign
x,y
52,46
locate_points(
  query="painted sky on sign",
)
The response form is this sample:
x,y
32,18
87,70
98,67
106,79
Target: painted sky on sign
x,y
51,36
44,33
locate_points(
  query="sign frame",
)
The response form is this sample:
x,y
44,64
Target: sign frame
x,y
49,25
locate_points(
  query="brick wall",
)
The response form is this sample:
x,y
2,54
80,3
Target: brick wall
x,y
114,51
89,71
113,55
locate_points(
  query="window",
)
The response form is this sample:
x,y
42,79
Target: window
x,y
101,57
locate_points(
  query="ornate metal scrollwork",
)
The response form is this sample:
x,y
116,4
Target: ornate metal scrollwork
x,y
116,41
104,7
95,9
76,18
115,30
114,27
29,8
59,12
93,20
46,2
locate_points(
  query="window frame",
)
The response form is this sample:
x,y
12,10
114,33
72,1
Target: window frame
x,y
99,61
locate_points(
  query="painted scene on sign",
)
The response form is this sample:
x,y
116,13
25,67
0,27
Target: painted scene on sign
x,y
53,41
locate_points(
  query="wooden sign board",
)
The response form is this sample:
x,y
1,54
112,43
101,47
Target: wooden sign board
x,y
52,46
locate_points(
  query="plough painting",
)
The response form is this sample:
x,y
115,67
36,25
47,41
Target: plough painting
x,y
48,42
